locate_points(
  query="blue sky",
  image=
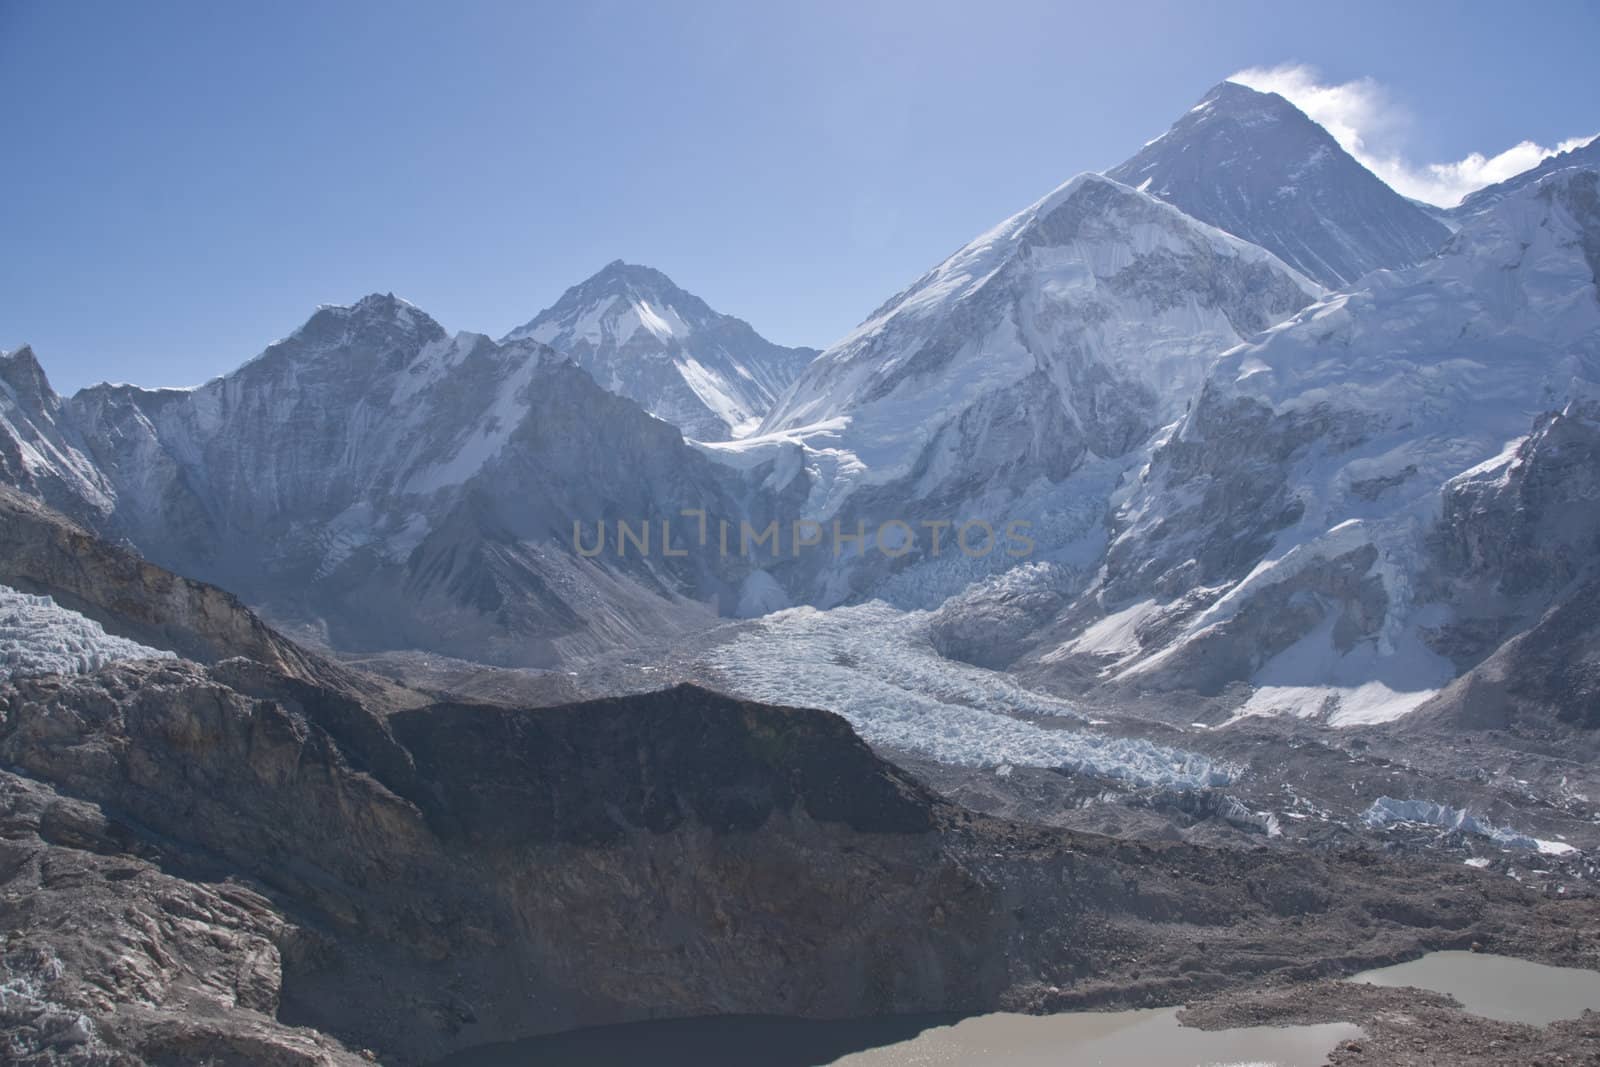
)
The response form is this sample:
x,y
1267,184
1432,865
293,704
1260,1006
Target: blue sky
x,y
182,183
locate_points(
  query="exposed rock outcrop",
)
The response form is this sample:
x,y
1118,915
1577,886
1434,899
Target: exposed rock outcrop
x,y
290,879
42,552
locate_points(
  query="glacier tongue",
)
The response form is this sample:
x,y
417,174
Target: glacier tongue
x,y
37,636
875,666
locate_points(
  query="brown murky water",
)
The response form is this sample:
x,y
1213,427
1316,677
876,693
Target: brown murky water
x,y
1150,1038
1498,987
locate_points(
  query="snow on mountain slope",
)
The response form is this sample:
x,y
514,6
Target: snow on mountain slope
x,y
382,484
1288,533
360,402
38,637
1052,346
1585,155
640,336
1255,165
38,451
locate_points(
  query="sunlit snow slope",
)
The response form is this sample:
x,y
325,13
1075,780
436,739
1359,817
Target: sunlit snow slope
x,y
1070,330
1288,533
640,336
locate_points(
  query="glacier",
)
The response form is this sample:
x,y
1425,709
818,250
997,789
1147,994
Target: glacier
x,y
1387,811
38,637
874,664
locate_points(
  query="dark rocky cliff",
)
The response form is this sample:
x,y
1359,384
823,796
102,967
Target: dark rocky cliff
x,y
242,862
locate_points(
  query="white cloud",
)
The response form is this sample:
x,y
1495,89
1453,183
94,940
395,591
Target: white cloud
x,y
1371,127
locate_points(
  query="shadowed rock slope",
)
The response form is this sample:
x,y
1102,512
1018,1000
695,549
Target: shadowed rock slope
x,y
43,552
242,863
190,871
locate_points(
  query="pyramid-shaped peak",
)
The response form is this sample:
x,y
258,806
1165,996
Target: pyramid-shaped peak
x,y
619,291
377,321
632,271
638,334
1236,95
386,304
384,308
619,277
20,369
1253,164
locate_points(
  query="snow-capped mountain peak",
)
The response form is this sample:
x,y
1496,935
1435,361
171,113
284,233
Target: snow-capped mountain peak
x,y
618,301
373,312
1036,360
38,453
20,370
638,334
1239,103
1255,165
1084,244
1288,532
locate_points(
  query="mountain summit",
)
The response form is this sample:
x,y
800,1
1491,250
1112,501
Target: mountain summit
x,y
1056,343
1253,164
641,336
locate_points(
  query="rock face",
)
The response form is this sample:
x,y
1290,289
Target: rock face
x,y
640,336
1545,676
43,553
1331,521
1518,530
1253,164
254,880
1518,551
572,856
239,865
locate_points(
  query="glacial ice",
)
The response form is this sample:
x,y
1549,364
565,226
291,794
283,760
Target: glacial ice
x,y
1386,811
874,665
38,636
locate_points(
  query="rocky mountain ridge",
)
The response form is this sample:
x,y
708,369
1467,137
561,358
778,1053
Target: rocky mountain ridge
x,y
369,477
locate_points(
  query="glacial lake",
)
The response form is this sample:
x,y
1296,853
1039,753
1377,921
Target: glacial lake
x,y
1496,987
1150,1038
